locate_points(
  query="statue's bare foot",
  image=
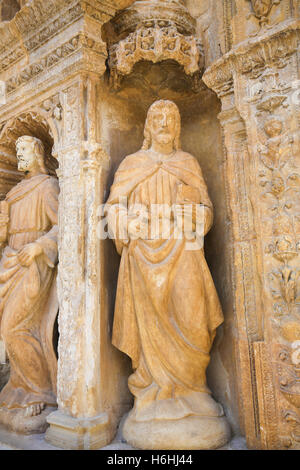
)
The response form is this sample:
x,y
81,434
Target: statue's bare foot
x,y
34,410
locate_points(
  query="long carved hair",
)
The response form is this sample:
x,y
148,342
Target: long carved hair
x,y
157,106
38,150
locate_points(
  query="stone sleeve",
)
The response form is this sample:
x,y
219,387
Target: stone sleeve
x,y
48,242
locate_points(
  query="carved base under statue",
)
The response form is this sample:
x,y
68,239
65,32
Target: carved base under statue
x,y
188,433
16,420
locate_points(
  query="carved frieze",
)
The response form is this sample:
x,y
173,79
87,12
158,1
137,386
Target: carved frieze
x,y
35,14
53,27
36,24
11,57
80,41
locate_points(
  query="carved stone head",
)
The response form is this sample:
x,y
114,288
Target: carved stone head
x,y
30,154
163,124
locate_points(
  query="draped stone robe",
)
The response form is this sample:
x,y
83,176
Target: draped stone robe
x,y
28,301
167,309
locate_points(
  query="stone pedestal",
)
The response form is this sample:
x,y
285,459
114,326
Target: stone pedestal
x,y
79,434
191,433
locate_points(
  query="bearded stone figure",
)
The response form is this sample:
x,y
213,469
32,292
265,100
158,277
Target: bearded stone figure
x,y
28,301
167,308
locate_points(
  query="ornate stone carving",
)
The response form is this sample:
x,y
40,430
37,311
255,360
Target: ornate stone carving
x,y
53,27
262,9
11,57
80,41
167,335
155,43
274,53
53,108
35,13
263,69
81,417
254,59
154,31
282,187
35,69
28,292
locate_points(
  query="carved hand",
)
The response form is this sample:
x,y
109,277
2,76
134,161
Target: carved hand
x,y
27,254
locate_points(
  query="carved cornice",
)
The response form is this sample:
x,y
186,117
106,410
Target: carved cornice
x,y
39,21
51,28
100,11
34,15
79,42
252,57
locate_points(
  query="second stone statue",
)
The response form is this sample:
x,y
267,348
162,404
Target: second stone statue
x,y
167,308
28,300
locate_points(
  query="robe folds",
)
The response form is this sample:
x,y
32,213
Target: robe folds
x,y
167,308
28,300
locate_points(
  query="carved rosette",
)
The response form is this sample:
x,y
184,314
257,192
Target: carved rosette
x,y
154,31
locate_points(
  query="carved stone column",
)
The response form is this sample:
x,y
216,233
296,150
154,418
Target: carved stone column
x,y
80,421
258,84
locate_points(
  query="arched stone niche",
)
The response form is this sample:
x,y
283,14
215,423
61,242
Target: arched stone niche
x,y
123,112
28,123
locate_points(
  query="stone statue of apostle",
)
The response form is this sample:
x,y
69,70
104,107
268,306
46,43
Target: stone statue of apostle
x,y
28,301
167,308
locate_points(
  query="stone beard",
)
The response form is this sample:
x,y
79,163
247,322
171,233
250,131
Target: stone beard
x,y
167,308
28,301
